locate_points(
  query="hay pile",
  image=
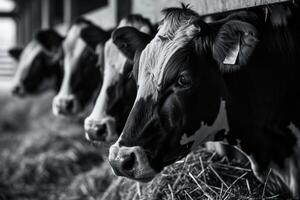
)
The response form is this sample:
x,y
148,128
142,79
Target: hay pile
x,y
46,164
201,175
42,157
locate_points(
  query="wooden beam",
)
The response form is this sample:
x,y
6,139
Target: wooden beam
x,y
152,8
206,7
67,12
45,8
7,14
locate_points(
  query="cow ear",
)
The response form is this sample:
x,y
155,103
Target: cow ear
x,y
234,45
15,53
49,39
129,40
94,35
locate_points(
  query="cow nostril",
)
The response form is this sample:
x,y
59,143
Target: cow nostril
x,y
16,90
101,130
97,133
69,105
129,162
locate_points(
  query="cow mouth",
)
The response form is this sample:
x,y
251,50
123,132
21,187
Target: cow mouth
x,y
145,178
103,131
142,174
71,110
131,162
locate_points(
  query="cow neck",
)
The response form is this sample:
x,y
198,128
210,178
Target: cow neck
x,y
253,126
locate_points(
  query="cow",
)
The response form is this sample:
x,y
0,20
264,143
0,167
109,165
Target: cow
x,y
124,37
234,80
39,66
118,91
81,78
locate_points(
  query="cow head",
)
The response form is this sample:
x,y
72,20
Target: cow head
x,y
39,66
119,89
181,97
81,72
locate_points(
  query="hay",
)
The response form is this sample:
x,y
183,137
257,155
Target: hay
x,y
42,157
201,175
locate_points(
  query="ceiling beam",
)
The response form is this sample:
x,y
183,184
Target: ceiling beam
x,y
8,14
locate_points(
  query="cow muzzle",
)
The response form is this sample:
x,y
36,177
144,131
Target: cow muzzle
x,y
131,162
65,105
100,130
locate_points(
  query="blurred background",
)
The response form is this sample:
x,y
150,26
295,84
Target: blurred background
x,y
21,19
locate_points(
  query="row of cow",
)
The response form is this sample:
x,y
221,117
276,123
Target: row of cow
x,y
165,92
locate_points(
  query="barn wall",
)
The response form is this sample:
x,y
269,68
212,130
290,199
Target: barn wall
x,y
107,13
28,20
106,17
152,8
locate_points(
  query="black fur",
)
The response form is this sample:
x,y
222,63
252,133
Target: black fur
x,y
15,52
94,35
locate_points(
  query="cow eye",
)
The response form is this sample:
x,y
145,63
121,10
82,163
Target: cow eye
x,y
184,80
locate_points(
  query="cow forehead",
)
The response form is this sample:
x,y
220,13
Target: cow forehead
x,y
113,57
159,51
73,42
29,53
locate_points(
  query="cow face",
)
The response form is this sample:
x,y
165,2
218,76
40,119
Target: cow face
x,y
81,72
39,66
181,97
119,89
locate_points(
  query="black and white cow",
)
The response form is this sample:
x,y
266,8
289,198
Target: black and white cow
x,y
235,80
118,91
129,40
81,70
39,64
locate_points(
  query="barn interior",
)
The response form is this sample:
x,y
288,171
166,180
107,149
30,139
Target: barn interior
x,y
43,156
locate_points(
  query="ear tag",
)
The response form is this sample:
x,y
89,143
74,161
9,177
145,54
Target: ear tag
x,y
233,55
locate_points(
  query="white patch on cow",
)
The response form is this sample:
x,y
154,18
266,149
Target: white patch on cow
x,y
73,47
157,54
114,63
26,59
207,133
113,68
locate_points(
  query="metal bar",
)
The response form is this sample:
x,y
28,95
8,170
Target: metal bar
x,y
68,12
45,7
